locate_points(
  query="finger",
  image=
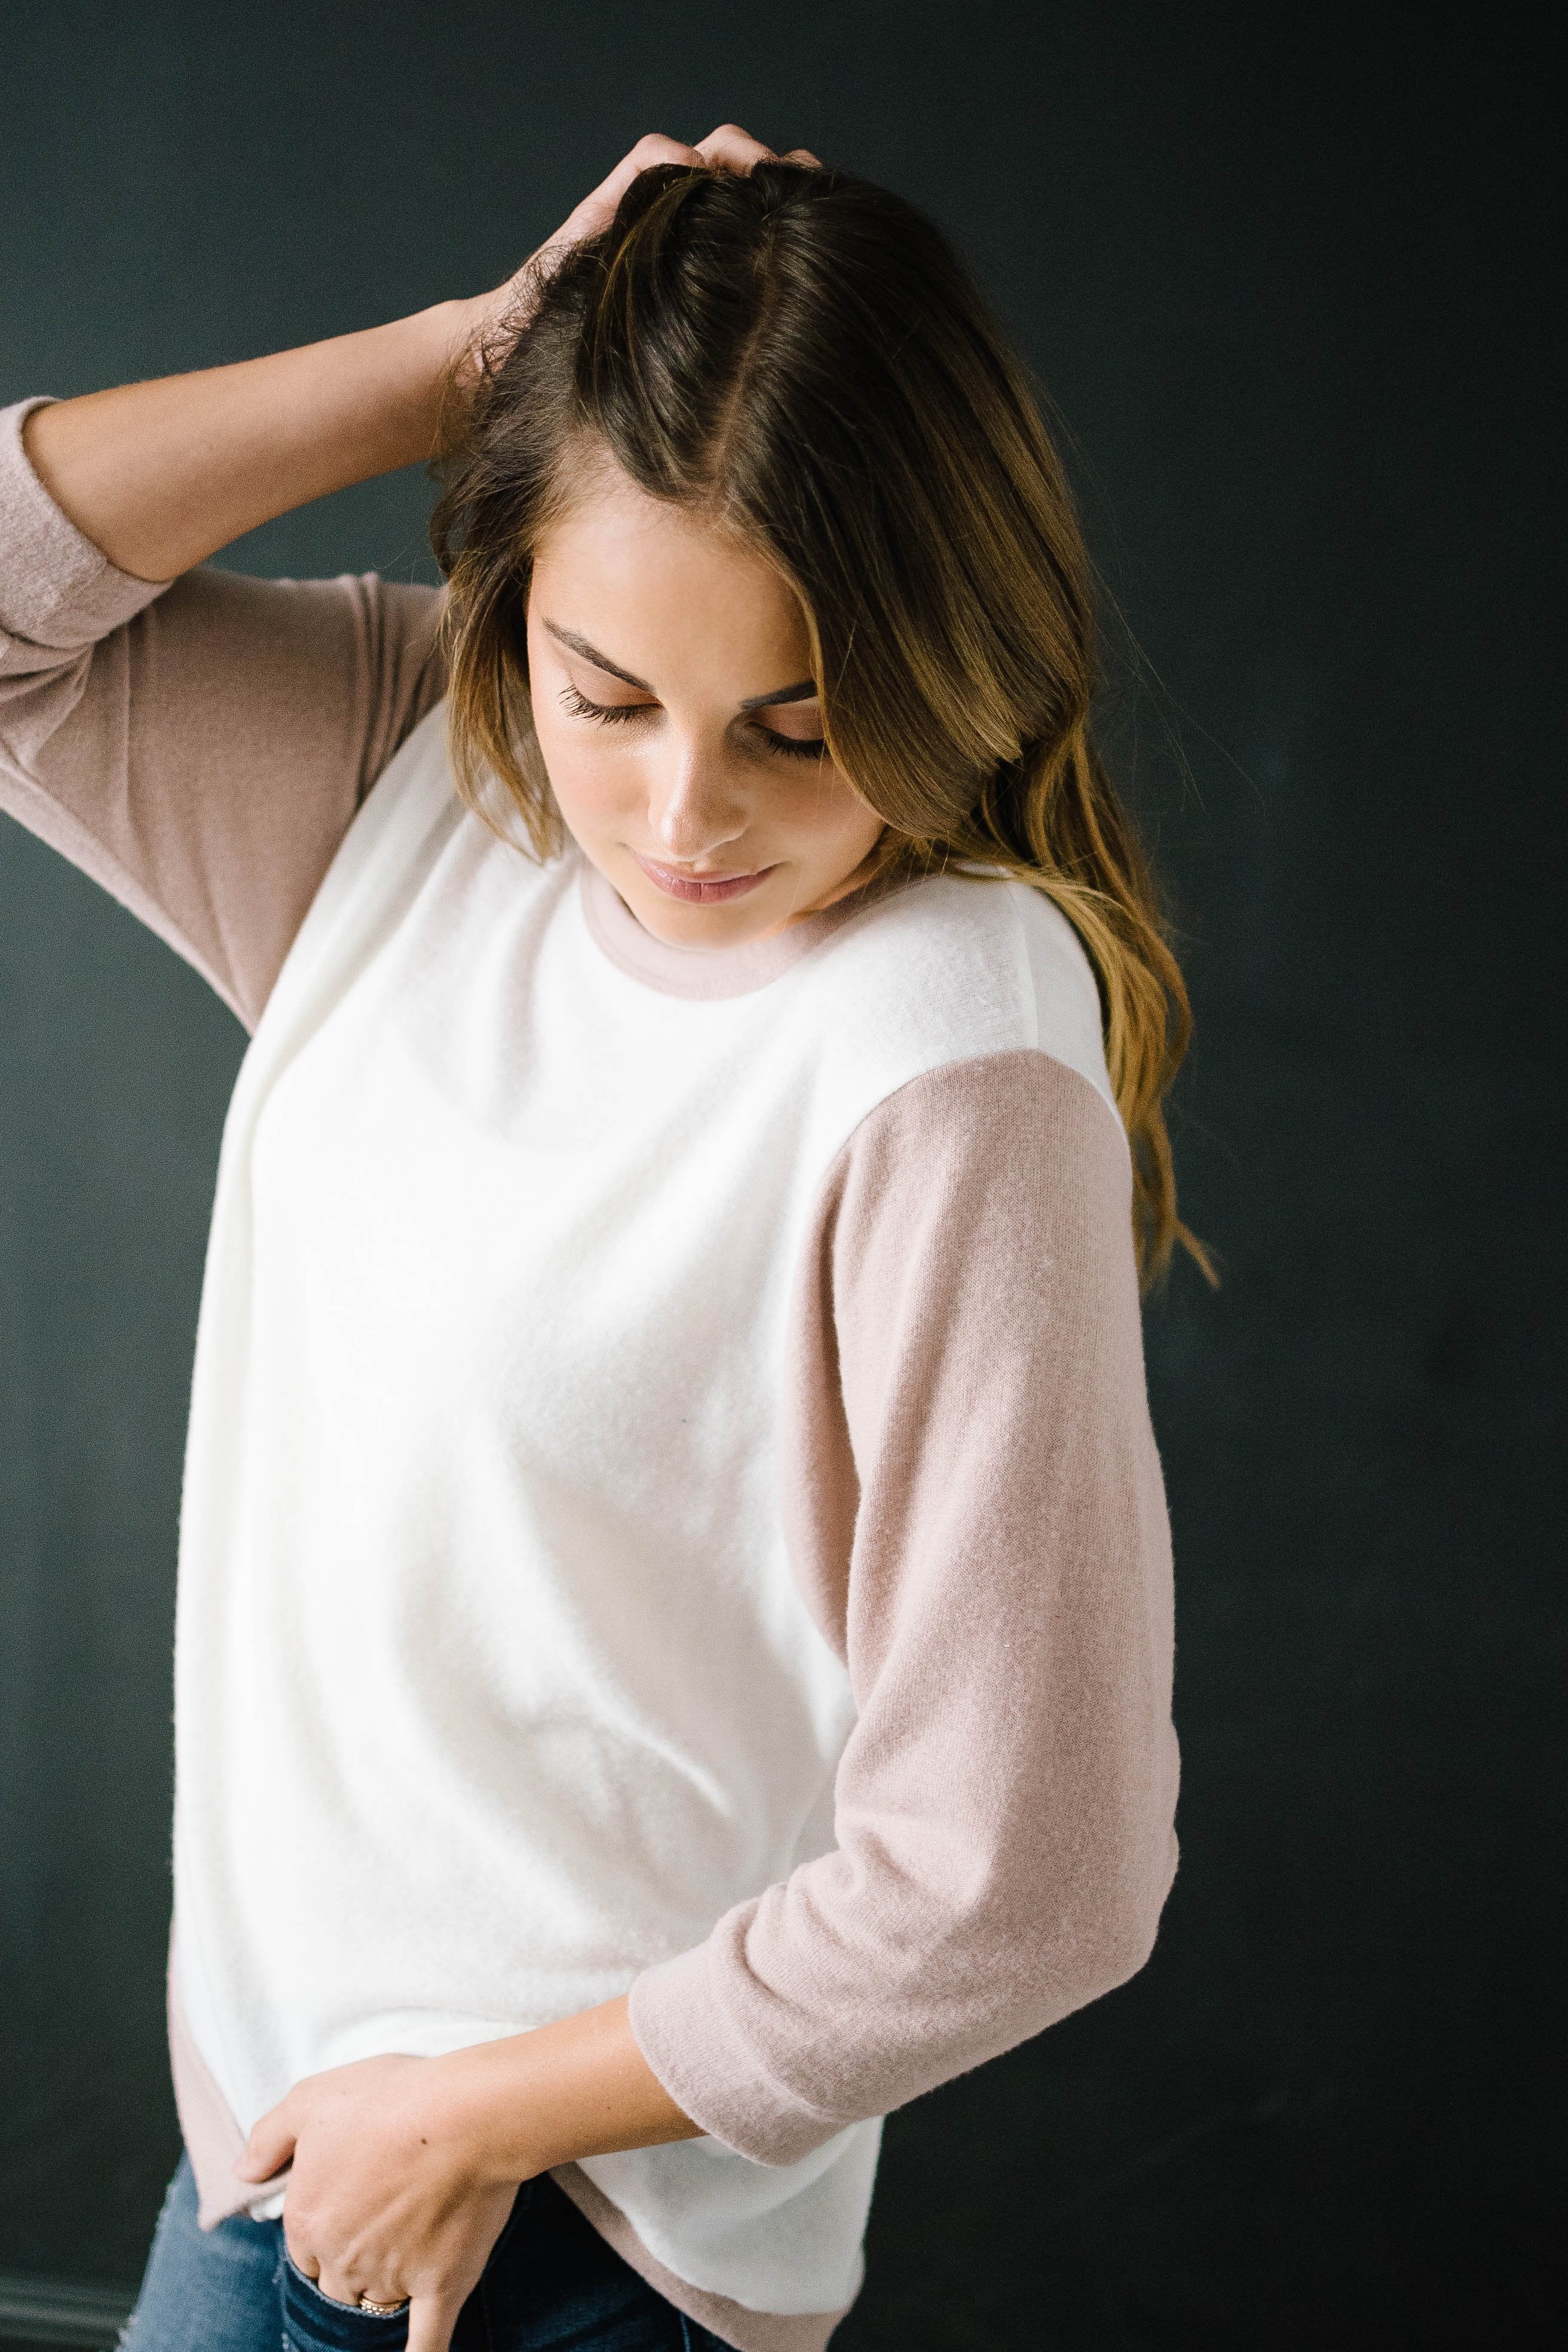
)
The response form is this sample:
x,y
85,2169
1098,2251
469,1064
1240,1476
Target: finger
x,y
269,2148
338,2289
801,155
431,2320
732,149
652,148
597,209
301,2256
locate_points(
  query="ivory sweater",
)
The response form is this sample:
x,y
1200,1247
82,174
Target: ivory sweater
x,y
669,1464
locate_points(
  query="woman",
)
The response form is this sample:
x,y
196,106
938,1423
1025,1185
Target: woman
x,y
674,1633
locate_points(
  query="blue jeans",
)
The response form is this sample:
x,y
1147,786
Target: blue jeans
x,y
550,2285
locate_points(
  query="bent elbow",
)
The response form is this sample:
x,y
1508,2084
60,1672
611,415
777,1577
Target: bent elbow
x,y
1130,1925
1114,1938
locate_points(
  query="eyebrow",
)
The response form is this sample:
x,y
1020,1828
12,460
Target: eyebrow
x,y
569,637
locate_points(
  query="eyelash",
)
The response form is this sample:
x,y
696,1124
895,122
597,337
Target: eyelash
x,y
617,714
609,714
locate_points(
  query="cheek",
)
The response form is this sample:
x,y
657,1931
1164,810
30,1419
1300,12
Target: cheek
x,y
589,777
833,822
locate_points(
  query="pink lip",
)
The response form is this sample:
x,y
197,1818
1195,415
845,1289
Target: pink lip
x,y
701,889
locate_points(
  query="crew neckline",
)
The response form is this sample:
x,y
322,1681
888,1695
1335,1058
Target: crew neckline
x,y
708,973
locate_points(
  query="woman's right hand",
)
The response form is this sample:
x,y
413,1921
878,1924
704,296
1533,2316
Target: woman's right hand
x,y
503,311
728,149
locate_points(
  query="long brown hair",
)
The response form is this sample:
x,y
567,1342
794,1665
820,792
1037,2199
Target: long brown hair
x,y
801,354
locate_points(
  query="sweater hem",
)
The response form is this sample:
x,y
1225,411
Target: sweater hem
x,y
734,2323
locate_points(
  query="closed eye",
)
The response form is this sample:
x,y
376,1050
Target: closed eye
x,y
793,747
615,714
608,714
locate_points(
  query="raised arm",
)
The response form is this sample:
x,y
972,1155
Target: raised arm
x,y
199,750
161,474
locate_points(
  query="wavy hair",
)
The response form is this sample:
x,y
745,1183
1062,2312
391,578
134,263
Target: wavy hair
x,y
801,355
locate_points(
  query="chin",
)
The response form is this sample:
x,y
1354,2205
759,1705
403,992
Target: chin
x,y
680,923
678,926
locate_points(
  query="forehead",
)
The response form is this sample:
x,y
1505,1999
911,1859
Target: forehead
x,y
667,592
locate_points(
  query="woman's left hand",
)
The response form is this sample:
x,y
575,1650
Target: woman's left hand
x,y
389,2199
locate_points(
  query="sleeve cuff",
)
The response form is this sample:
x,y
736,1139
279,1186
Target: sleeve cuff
x,y
56,589
683,2026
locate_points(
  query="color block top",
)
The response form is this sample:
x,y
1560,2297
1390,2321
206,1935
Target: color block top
x,y
670,1462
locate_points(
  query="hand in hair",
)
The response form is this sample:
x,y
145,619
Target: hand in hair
x,y
497,317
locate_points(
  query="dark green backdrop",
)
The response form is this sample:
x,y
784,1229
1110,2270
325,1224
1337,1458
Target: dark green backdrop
x,y
1283,276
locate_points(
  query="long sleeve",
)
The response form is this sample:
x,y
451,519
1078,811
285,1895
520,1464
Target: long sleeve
x,y
977,1517
198,748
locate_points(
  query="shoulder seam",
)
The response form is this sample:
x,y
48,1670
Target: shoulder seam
x,y
974,1061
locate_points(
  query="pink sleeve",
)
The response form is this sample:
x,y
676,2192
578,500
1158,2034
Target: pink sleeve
x,y
977,1518
199,747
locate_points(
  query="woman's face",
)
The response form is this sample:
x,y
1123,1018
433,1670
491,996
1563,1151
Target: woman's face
x,y
679,724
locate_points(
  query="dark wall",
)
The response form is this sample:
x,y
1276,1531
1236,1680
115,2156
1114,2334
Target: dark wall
x,y
1286,277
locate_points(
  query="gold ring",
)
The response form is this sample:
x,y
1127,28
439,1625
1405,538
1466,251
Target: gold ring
x,y
381,2310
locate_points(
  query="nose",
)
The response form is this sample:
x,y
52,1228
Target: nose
x,y
695,806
